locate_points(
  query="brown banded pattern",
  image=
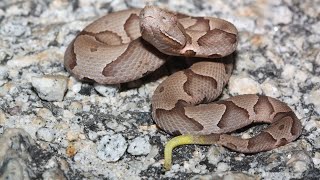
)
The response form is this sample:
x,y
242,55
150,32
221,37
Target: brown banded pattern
x,y
126,45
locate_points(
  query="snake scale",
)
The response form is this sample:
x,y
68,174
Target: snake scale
x,y
126,45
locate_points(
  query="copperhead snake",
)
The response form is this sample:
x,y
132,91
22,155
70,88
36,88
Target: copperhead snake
x,y
126,45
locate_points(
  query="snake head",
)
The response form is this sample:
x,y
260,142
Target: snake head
x,y
162,29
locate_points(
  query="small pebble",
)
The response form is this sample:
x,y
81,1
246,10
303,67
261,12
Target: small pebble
x,y
222,167
288,72
243,85
280,15
313,97
139,146
270,89
14,154
225,176
300,161
50,87
3,72
111,147
46,134
13,28
106,91
53,174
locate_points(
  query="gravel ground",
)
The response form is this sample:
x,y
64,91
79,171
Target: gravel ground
x,y
55,127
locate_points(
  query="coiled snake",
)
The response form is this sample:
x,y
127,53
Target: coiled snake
x,y
126,45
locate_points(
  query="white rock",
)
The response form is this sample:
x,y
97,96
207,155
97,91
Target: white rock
x,y
243,85
316,159
14,154
14,29
270,89
92,135
301,76
3,72
111,147
300,161
308,8
288,72
139,146
74,85
313,98
317,60
4,54
225,176
13,170
315,27
308,65
53,174
13,73
52,163
46,114
86,108
114,125
244,24
137,3
106,90
222,167
316,142
238,176
6,88
312,123
3,118
215,154
75,107
45,134
280,15
50,87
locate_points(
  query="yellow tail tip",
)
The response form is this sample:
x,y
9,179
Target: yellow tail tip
x,y
178,141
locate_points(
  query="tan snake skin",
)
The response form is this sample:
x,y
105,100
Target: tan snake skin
x,y
111,50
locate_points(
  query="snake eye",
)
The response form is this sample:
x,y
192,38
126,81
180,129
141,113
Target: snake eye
x,y
164,19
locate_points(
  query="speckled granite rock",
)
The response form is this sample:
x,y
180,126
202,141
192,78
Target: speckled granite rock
x,y
64,137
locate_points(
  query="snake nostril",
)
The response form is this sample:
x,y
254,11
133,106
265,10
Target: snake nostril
x,y
281,127
161,89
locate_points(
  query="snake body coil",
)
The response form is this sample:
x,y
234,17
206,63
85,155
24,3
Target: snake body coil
x,y
126,45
